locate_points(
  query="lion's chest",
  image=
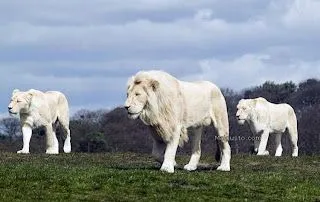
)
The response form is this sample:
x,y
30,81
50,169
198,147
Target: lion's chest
x,y
34,119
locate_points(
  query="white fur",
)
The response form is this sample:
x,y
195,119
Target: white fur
x,y
170,106
38,109
265,118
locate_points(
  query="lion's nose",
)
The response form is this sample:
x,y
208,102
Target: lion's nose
x,y
127,107
9,108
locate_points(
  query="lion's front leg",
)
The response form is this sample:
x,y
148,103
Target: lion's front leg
x,y
256,143
170,154
27,133
263,144
52,141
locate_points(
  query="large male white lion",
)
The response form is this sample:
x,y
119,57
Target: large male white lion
x,y
170,106
264,118
37,109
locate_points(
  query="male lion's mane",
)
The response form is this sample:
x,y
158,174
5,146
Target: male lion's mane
x,y
163,110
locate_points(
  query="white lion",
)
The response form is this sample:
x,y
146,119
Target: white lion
x,y
264,118
170,106
37,109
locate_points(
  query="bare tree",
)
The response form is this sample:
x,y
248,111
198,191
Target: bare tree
x,y
10,127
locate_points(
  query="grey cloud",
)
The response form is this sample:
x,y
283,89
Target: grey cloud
x,y
88,49
81,12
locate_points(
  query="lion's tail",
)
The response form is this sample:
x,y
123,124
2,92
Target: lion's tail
x,y
183,137
218,152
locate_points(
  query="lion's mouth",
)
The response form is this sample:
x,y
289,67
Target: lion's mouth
x,y
11,112
133,115
240,121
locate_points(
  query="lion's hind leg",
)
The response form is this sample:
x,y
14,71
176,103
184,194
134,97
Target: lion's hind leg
x,y
222,127
293,135
63,118
67,141
52,141
196,150
66,131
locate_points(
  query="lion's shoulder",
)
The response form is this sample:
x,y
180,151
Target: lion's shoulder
x,y
35,92
261,100
54,94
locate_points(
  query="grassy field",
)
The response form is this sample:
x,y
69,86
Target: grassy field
x,y
135,177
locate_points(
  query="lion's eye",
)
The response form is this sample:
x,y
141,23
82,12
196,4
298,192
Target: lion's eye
x,y
137,94
18,101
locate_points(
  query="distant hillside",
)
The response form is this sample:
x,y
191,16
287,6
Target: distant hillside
x,y
112,131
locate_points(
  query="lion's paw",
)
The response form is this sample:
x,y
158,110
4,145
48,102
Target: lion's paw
x,y
278,153
22,152
224,168
190,167
295,153
67,149
167,168
264,153
52,151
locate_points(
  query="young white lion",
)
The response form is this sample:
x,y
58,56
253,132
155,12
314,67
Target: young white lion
x,y
37,109
170,106
264,118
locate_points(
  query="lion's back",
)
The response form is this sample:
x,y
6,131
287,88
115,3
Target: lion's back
x,y
203,101
279,115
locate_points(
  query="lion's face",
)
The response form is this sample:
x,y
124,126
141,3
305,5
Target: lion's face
x,y
20,102
140,91
137,98
244,109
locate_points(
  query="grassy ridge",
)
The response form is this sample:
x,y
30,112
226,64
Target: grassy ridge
x,y
135,177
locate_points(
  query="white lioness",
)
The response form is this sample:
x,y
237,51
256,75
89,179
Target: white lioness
x,y
170,106
264,118
37,109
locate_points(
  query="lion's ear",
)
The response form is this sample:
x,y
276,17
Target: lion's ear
x,y
15,91
154,84
29,96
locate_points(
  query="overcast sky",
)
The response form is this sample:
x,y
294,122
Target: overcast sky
x,y
88,49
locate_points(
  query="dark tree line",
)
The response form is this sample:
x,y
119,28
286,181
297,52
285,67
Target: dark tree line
x,y
112,131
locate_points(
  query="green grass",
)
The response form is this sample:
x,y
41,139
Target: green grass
x,y
135,177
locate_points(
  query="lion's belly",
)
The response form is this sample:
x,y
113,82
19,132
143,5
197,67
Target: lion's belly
x,y
197,121
197,112
278,126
